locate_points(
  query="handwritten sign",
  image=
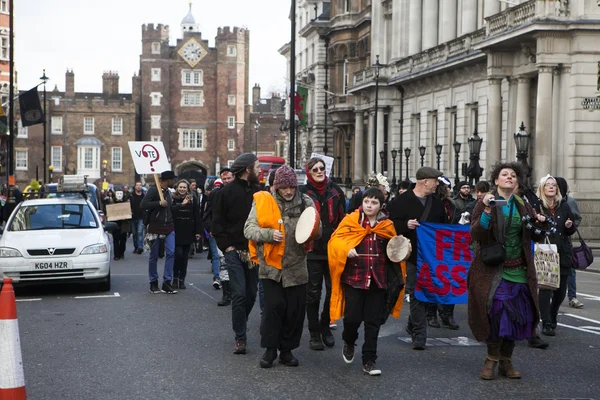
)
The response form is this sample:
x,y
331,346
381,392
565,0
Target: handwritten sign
x,y
443,260
149,157
118,211
328,162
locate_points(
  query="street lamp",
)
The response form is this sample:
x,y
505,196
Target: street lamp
x,y
382,158
407,155
44,79
256,126
348,180
104,164
394,155
456,146
51,170
438,152
422,150
474,170
339,177
376,67
522,138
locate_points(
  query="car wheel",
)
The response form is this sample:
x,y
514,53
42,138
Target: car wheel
x,y
105,286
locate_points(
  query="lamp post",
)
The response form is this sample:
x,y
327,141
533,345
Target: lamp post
x,y
104,164
348,181
422,150
438,152
51,170
407,155
522,138
256,126
376,67
44,79
339,177
394,155
382,158
474,170
456,146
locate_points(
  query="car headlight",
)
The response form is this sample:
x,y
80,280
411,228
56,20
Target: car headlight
x,y
9,252
95,249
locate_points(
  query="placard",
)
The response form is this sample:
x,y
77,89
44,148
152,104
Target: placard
x,y
118,211
149,157
328,162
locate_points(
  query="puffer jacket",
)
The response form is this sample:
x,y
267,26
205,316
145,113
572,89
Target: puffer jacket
x,y
294,271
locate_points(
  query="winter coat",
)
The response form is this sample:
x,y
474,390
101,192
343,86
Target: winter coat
x,y
159,219
483,280
187,221
462,204
331,207
137,212
230,212
355,202
562,238
294,271
207,209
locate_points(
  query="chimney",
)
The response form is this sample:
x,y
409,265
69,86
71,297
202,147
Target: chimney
x,y
110,85
70,84
255,95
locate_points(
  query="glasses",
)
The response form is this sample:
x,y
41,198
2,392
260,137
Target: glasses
x,y
318,169
550,185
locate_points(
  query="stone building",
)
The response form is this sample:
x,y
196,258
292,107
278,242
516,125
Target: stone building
x,y
193,97
267,137
4,83
455,67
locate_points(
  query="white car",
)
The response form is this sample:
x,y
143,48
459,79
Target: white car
x,y
56,240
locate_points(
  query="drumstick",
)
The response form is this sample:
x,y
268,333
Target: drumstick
x,y
368,255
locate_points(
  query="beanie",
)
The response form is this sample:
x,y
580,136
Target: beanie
x,y
285,177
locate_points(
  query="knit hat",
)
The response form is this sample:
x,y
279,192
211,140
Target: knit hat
x,y
285,177
463,183
218,182
242,162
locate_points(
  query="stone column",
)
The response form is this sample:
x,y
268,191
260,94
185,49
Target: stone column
x,y
359,147
523,100
542,143
430,23
494,123
511,116
566,139
491,7
380,137
415,12
370,143
396,28
469,16
449,19
557,149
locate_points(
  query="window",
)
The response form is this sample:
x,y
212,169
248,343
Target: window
x,y
192,98
231,100
231,51
155,122
156,96
155,138
21,160
56,125
155,48
155,74
280,148
88,161
231,144
117,126
117,159
22,131
347,6
56,158
230,163
88,125
191,139
192,77
345,74
4,5
4,47
231,122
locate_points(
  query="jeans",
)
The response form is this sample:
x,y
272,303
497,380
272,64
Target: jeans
x,y
318,270
181,261
243,283
169,242
572,284
550,301
137,229
216,265
283,319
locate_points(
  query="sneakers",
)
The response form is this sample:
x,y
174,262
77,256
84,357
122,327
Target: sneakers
x,y
167,288
538,343
574,303
371,369
348,352
240,347
216,284
154,287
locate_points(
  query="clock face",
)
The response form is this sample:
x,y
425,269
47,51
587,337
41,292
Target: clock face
x,y
192,52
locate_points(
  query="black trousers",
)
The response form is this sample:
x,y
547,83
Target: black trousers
x,y
550,301
417,321
318,270
283,317
120,242
181,261
445,310
363,306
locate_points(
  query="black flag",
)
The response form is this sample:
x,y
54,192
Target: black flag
x,y
31,108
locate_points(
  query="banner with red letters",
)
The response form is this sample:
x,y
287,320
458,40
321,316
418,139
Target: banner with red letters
x,y
443,260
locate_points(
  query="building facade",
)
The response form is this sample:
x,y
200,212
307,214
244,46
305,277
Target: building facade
x,y
194,97
265,135
4,83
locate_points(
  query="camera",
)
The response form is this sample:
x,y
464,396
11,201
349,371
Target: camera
x,y
494,202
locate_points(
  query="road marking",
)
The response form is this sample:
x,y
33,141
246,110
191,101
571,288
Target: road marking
x,y
578,328
456,342
579,317
191,284
116,294
29,299
589,296
594,328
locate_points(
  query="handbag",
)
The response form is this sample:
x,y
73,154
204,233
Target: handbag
x,y
547,265
582,255
494,254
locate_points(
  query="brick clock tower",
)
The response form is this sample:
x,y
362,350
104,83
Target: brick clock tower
x,y
193,97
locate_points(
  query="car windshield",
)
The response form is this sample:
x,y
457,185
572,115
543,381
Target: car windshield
x,y
53,216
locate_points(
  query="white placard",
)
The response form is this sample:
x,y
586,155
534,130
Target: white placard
x,y
328,162
149,157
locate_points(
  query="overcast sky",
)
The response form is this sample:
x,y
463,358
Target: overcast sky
x,y
93,36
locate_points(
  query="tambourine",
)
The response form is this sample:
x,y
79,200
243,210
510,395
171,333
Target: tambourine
x,y
398,249
546,228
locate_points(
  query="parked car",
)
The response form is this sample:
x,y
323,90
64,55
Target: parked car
x,y
93,195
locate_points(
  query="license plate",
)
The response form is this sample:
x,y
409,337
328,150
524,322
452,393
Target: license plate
x,y
46,265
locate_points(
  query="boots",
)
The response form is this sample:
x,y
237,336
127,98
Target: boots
x,y
491,361
175,283
182,283
226,299
267,359
315,342
506,368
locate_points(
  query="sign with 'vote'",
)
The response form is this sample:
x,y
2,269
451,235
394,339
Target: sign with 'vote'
x,y
149,157
443,260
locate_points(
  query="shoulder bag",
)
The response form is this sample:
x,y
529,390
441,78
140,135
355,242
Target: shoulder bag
x,y
582,255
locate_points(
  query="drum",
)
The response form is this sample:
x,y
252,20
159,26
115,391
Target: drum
x,y
398,249
308,225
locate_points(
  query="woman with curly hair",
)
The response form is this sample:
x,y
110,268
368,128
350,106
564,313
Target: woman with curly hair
x,y
503,302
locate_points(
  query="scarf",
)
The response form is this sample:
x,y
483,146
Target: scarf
x,y
320,186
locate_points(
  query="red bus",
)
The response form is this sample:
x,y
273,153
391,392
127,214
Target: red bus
x,y
267,163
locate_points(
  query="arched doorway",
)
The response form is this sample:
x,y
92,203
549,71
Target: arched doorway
x,y
192,170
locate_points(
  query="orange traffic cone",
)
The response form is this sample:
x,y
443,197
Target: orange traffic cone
x,y
12,379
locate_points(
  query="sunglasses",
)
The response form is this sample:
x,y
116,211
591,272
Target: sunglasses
x,y
318,169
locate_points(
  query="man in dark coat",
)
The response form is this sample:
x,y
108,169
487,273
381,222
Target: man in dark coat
x,y
137,218
463,198
229,214
419,204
